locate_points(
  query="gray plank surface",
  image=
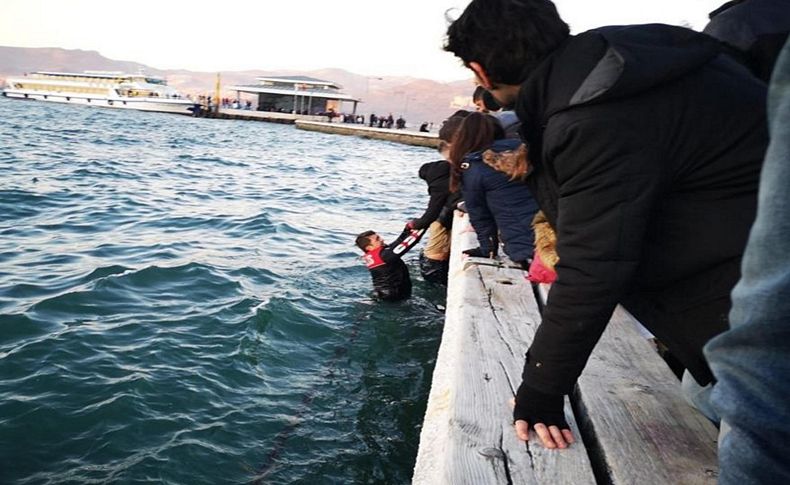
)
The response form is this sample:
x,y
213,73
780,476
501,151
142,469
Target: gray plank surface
x,y
467,435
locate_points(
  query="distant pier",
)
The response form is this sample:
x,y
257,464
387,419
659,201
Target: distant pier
x,y
416,138
319,123
250,115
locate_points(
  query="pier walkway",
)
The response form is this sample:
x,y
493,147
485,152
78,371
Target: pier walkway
x,y
400,136
631,422
319,123
251,115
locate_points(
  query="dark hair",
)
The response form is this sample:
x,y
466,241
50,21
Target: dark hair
x,y
477,132
451,124
363,239
482,94
490,102
509,38
479,90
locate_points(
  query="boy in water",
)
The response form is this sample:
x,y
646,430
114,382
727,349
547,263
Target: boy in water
x,y
391,281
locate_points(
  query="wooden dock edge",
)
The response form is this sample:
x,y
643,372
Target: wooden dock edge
x,y
467,435
430,140
635,425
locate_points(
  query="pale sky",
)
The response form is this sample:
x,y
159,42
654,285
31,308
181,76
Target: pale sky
x,y
369,37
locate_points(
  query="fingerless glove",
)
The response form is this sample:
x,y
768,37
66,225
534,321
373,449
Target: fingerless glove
x,y
534,406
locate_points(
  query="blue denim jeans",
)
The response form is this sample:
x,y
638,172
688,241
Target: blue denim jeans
x,y
751,361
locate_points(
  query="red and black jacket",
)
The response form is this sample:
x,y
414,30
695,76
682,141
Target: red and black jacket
x,y
390,275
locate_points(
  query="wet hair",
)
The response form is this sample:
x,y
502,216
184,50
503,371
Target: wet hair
x,y
363,239
477,132
509,38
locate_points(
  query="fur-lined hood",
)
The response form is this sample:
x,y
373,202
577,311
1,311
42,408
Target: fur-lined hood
x,y
508,156
513,163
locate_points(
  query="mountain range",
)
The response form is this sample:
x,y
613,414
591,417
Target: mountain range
x,y
417,100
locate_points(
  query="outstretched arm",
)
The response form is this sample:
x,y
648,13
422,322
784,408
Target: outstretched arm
x,y
407,240
435,205
603,208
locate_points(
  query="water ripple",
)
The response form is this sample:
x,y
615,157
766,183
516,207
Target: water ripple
x,y
181,302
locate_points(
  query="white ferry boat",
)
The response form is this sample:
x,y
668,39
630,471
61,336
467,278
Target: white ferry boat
x,y
103,89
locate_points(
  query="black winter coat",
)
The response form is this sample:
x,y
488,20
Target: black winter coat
x,y
647,146
756,29
441,202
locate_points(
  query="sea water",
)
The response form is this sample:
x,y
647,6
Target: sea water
x,y
181,302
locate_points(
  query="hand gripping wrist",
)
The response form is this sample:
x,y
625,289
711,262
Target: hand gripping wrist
x,y
534,406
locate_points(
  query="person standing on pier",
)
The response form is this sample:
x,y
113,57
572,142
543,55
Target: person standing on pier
x,y
751,360
648,177
489,170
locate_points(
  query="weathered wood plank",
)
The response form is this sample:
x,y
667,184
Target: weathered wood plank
x,y
467,435
631,402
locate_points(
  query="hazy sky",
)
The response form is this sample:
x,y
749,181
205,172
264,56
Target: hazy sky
x,y
370,37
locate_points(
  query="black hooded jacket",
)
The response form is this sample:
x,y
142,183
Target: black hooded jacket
x,y
441,202
756,29
647,146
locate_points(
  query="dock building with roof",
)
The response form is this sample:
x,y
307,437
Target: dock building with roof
x,y
297,95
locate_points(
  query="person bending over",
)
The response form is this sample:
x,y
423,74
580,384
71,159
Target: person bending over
x,y
489,170
649,180
391,281
438,216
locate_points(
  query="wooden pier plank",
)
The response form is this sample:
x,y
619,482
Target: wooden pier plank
x,y
468,435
